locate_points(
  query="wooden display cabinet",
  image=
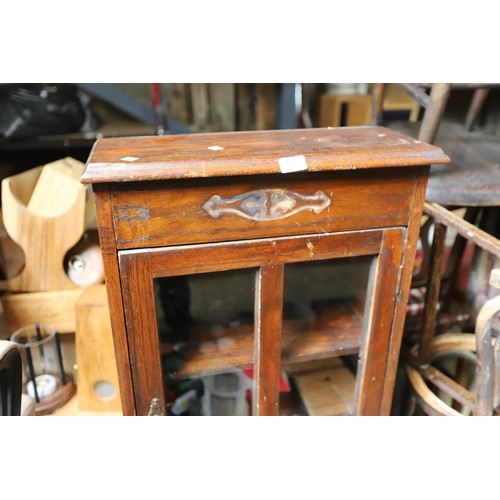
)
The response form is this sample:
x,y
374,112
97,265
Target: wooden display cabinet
x,y
197,205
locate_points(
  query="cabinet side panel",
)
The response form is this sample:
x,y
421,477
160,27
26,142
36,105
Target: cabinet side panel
x,y
104,220
405,284
379,319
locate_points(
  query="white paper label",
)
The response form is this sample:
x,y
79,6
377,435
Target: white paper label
x,y
292,164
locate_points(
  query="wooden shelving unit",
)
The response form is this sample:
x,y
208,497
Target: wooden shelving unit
x,y
335,331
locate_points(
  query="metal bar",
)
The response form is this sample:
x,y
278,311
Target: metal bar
x,y
286,112
31,369
60,358
128,104
174,127
121,100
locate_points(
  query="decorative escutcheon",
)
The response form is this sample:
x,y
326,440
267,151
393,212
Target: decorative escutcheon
x,y
267,204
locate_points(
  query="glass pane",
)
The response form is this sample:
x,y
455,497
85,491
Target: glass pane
x,y
323,310
205,323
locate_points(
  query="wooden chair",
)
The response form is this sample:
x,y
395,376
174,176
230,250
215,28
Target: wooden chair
x,y
470,182
476,393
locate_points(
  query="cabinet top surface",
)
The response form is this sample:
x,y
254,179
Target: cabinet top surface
x,y
254,153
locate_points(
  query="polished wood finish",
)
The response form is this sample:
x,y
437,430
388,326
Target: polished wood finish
x,y
379,316
142,329
189,259
268,313
114,291
408,266
152,214
253,153
159,215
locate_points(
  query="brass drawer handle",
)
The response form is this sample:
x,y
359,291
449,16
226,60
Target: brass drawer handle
x,y
267,204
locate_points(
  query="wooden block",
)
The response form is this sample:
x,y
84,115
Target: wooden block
x,y
345,110
97,376
325,386
56,308
396,99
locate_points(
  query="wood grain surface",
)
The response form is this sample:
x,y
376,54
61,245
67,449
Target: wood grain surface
x,y
253,152
152,214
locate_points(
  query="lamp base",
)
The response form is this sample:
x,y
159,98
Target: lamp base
x,y
58,399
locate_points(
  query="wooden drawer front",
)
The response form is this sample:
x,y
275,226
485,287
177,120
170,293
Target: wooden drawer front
x,y
179,212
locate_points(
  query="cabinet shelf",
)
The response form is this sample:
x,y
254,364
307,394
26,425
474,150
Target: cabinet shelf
x,y
335,330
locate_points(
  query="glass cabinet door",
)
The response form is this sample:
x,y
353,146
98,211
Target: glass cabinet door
x,y
261,327
206,333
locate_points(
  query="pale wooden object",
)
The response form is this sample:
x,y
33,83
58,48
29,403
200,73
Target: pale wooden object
x,y
48,198
55,308
95,353
396,99
48,182
444,343
45,224
326,387
72,409
358,110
